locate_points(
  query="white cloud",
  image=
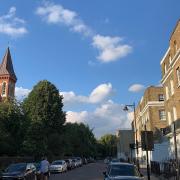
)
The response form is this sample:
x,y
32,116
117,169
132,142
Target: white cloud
x,y
111,48
106,118
12,25
21,93
57,14
101,93
136,88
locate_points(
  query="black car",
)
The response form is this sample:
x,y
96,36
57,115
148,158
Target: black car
x,y
122,171
20,171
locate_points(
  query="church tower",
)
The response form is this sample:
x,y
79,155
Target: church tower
x,y
7,77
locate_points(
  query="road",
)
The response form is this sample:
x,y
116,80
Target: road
x,y
91,171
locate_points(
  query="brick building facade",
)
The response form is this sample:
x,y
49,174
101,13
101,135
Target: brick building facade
x,y
170,67
150,112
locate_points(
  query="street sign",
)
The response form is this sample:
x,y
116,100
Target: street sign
x,y
147,140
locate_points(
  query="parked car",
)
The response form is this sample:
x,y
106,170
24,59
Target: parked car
x,y
69,164
123,171
58,166
20,171
79,160
75,162
115,160
90,160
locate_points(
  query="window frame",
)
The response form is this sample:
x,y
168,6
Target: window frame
x,y
161,97
178,76
162,116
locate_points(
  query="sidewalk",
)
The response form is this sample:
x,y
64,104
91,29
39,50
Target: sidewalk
x,y
154,177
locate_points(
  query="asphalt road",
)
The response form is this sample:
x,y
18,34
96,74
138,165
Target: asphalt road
x,y
91,171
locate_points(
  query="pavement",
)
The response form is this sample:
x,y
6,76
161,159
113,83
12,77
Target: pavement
x,y
154,177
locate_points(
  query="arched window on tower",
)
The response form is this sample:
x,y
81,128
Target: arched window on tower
x,y
3,88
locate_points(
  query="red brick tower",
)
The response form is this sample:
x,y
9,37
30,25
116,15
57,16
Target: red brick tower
x,y
7,77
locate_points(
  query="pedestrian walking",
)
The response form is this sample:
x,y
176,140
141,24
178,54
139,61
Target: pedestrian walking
x,y
44,169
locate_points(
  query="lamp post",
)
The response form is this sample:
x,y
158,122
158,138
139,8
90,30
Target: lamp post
x,y
147,154
136,141
175,150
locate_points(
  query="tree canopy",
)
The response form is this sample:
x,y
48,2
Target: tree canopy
x,y
43,108
37,126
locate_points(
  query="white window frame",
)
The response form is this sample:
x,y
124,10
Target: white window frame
x,y
169,118
167,93
178,75
172,86
174,113
162,115
161,97
170,59
165,68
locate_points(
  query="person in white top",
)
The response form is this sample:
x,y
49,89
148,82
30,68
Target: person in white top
x,y
44,169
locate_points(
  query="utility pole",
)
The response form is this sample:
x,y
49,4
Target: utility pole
x,y
135,127
147,154
175,149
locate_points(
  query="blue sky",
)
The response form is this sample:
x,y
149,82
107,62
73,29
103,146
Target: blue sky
x,y
99,54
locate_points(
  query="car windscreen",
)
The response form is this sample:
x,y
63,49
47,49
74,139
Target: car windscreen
x,y
16,168
122,170
57,163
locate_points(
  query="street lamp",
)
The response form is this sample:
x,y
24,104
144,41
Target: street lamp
x,y
136,140
175,149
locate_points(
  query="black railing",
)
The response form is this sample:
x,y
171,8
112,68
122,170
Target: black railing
x,y
166,169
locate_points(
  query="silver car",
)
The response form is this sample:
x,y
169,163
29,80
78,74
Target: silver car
x,y
58,166
122,171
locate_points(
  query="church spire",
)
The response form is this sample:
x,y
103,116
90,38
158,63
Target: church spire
x,y
7,77
6,68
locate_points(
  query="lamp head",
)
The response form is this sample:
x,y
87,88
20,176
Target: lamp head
x,y
125,108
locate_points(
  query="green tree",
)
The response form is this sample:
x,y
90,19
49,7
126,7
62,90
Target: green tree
x,y
108,145
80,140
43,108
12,128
